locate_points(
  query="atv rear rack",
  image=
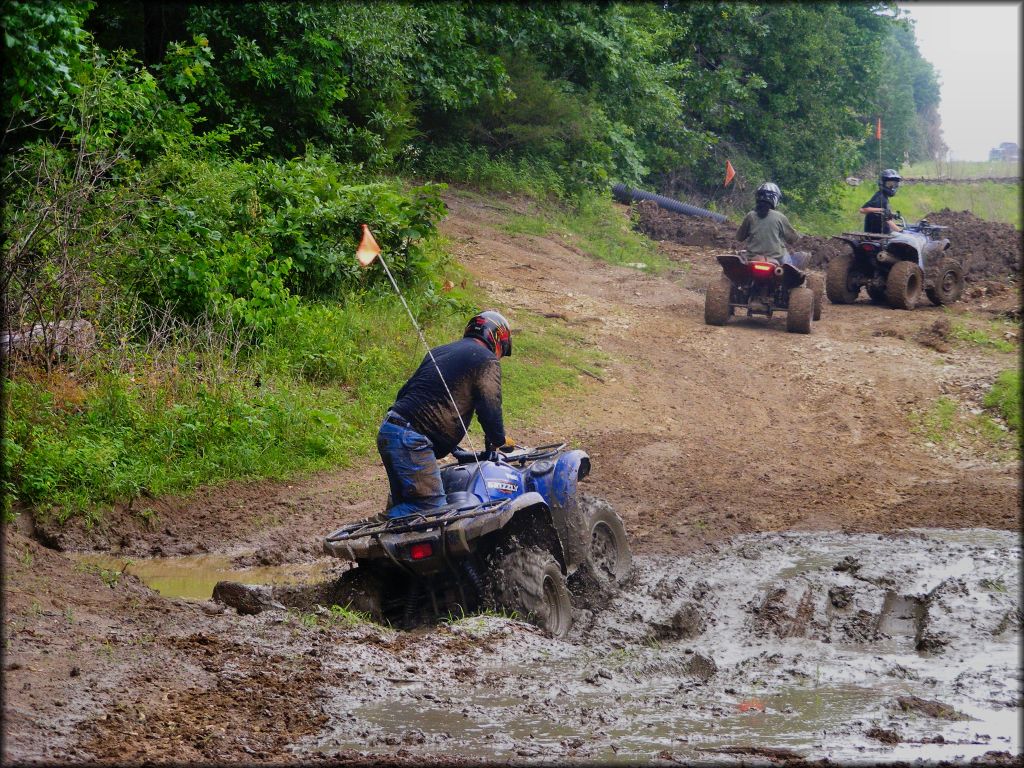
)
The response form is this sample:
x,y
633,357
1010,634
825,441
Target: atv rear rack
x,y
419,521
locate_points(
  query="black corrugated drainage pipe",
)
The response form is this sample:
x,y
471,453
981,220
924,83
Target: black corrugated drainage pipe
x,y
625,194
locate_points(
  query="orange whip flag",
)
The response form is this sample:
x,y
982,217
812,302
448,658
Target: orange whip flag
x,y
878,129
368,249
730,172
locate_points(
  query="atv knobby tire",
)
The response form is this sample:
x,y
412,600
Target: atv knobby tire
x,y
360,589
949,283
607,557
817,286
837,280
530,583
903,286
716,301
801,307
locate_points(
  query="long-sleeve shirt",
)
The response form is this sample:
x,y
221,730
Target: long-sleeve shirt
x,y
766,237
877,222
473,374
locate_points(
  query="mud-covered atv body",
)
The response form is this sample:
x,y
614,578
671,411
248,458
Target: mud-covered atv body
x,y
514,530
896,268
763,286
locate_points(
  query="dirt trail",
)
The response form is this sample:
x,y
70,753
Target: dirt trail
x,y
696,434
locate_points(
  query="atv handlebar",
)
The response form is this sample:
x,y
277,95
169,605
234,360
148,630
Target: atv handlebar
x,y
519,454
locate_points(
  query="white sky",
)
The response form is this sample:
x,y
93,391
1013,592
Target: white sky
x,y
975,49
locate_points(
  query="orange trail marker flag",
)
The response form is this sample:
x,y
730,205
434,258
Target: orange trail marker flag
x,y
368,249
730,172
878,129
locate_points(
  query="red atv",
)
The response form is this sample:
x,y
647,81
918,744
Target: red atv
x,y
763,286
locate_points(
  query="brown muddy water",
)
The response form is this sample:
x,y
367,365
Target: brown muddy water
x,y
193,577
815,644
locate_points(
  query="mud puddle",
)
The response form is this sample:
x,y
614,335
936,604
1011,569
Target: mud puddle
x,y
850,647
193,577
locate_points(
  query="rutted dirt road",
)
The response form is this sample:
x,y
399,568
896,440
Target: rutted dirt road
x,y
696,434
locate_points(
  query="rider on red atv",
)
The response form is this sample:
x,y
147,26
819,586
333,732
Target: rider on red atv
x,y
766,230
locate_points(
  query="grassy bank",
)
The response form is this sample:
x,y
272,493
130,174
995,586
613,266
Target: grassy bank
x,y
989,200
594,225
961,169
136,422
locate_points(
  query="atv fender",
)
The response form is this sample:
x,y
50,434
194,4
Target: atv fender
x,y
908,246
460,534
557,481
792,277
734,266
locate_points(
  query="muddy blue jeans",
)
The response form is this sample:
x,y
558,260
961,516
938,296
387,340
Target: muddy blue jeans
x,y
412,470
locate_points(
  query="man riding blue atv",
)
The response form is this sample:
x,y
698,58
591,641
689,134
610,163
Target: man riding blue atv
x,y
501,528
513,529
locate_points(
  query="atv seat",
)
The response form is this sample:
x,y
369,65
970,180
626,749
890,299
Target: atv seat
x,y
463,500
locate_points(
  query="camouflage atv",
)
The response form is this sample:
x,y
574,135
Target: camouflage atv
x,y
896,268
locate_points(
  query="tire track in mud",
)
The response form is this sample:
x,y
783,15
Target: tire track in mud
x,y
808,642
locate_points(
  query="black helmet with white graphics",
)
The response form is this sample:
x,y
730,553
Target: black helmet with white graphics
x,y
769,193
889,182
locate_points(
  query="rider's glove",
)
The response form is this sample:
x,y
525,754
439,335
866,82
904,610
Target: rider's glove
x,y
509,446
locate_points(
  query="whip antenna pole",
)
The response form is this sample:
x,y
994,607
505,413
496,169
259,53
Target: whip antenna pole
x,y
430,354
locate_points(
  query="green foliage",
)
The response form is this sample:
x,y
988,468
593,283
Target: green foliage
x,y
43,42
993,337
467,164
311,397
594,225
1004,398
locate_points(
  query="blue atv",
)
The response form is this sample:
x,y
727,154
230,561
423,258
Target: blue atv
x,y
515,536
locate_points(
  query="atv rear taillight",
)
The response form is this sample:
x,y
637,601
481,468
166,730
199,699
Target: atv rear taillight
x,y
868,248
762,266
421,551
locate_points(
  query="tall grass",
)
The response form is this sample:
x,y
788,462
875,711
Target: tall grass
x,y
989,200
961,169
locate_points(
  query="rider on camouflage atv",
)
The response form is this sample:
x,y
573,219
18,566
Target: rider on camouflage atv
x,y
878,219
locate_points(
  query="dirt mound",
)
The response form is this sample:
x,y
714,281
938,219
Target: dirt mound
x,y
987,249
659,224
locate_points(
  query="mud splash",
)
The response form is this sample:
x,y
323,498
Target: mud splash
x,y
810,643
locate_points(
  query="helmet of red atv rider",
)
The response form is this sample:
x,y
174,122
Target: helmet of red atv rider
x,y
769,193
889,182
492,329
